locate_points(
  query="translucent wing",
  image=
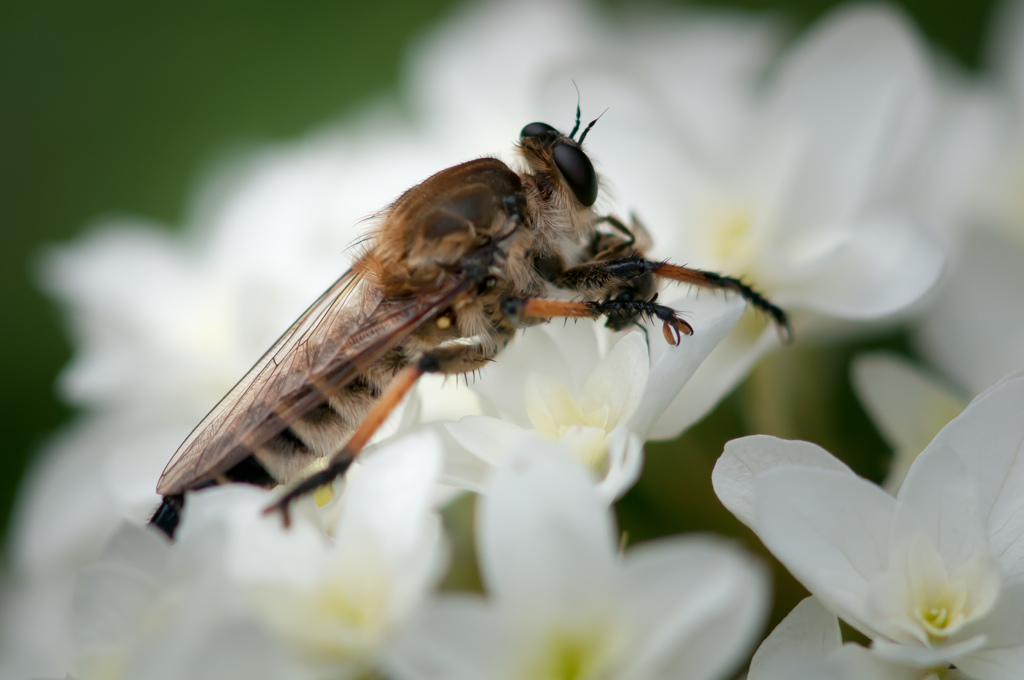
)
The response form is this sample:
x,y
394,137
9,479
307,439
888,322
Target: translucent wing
x,y
220,418
349,327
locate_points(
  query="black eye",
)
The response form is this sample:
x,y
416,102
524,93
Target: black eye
x,y
538,130
578,171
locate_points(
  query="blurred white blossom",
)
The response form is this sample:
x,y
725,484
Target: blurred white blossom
x,y
562,603
293,602
935,576
972,328
551,383
807,203
166,324
798,186
835,176
672,81
974,319
907,405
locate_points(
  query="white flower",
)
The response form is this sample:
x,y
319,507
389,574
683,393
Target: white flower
x,y
673,82
998,200
809,203
339,604
934,576
552,383
166,324
294,603
971,327
683,65
907,405
151,610
562,603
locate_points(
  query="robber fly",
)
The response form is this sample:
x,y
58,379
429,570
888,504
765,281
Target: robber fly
x,y
458,264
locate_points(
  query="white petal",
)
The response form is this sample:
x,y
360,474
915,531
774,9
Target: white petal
x,y
853,662
114,594
543,533
975,317
456,637
388,533
93,475
234,505
889,599
625,462
256,547
37,634
486,438
856,85
939,501
618,381
462,471
697,604
955,164
391,495
563,353
745,459
830,529
456,96
875,270
921,656
239,650
1004,663
667,407
578,349
989,438
1004,625
549,404
907,405
799,645
443,398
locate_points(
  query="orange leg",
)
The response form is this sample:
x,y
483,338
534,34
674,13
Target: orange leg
x,y
461,359
673,326
595,278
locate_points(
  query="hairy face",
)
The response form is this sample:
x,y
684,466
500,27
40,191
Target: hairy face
x,y
551,154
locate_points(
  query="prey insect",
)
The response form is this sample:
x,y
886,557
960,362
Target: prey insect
x,y
455,267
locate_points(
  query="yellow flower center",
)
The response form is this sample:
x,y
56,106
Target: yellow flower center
x,y
571,655
355,607
941,613
942,603
729,243
557,416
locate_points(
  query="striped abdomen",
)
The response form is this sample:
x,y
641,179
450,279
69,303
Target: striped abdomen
x,y
302,444
319,432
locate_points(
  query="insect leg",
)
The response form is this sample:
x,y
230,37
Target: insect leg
x,y
457,359
618,225
595,278
605,246
621,312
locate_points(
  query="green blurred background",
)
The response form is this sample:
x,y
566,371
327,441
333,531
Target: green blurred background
x,y
117,106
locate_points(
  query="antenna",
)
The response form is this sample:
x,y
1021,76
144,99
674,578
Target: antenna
x,y
590,126
577,126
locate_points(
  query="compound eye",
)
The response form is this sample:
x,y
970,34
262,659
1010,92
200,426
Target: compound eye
x,y
578,172
537,130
